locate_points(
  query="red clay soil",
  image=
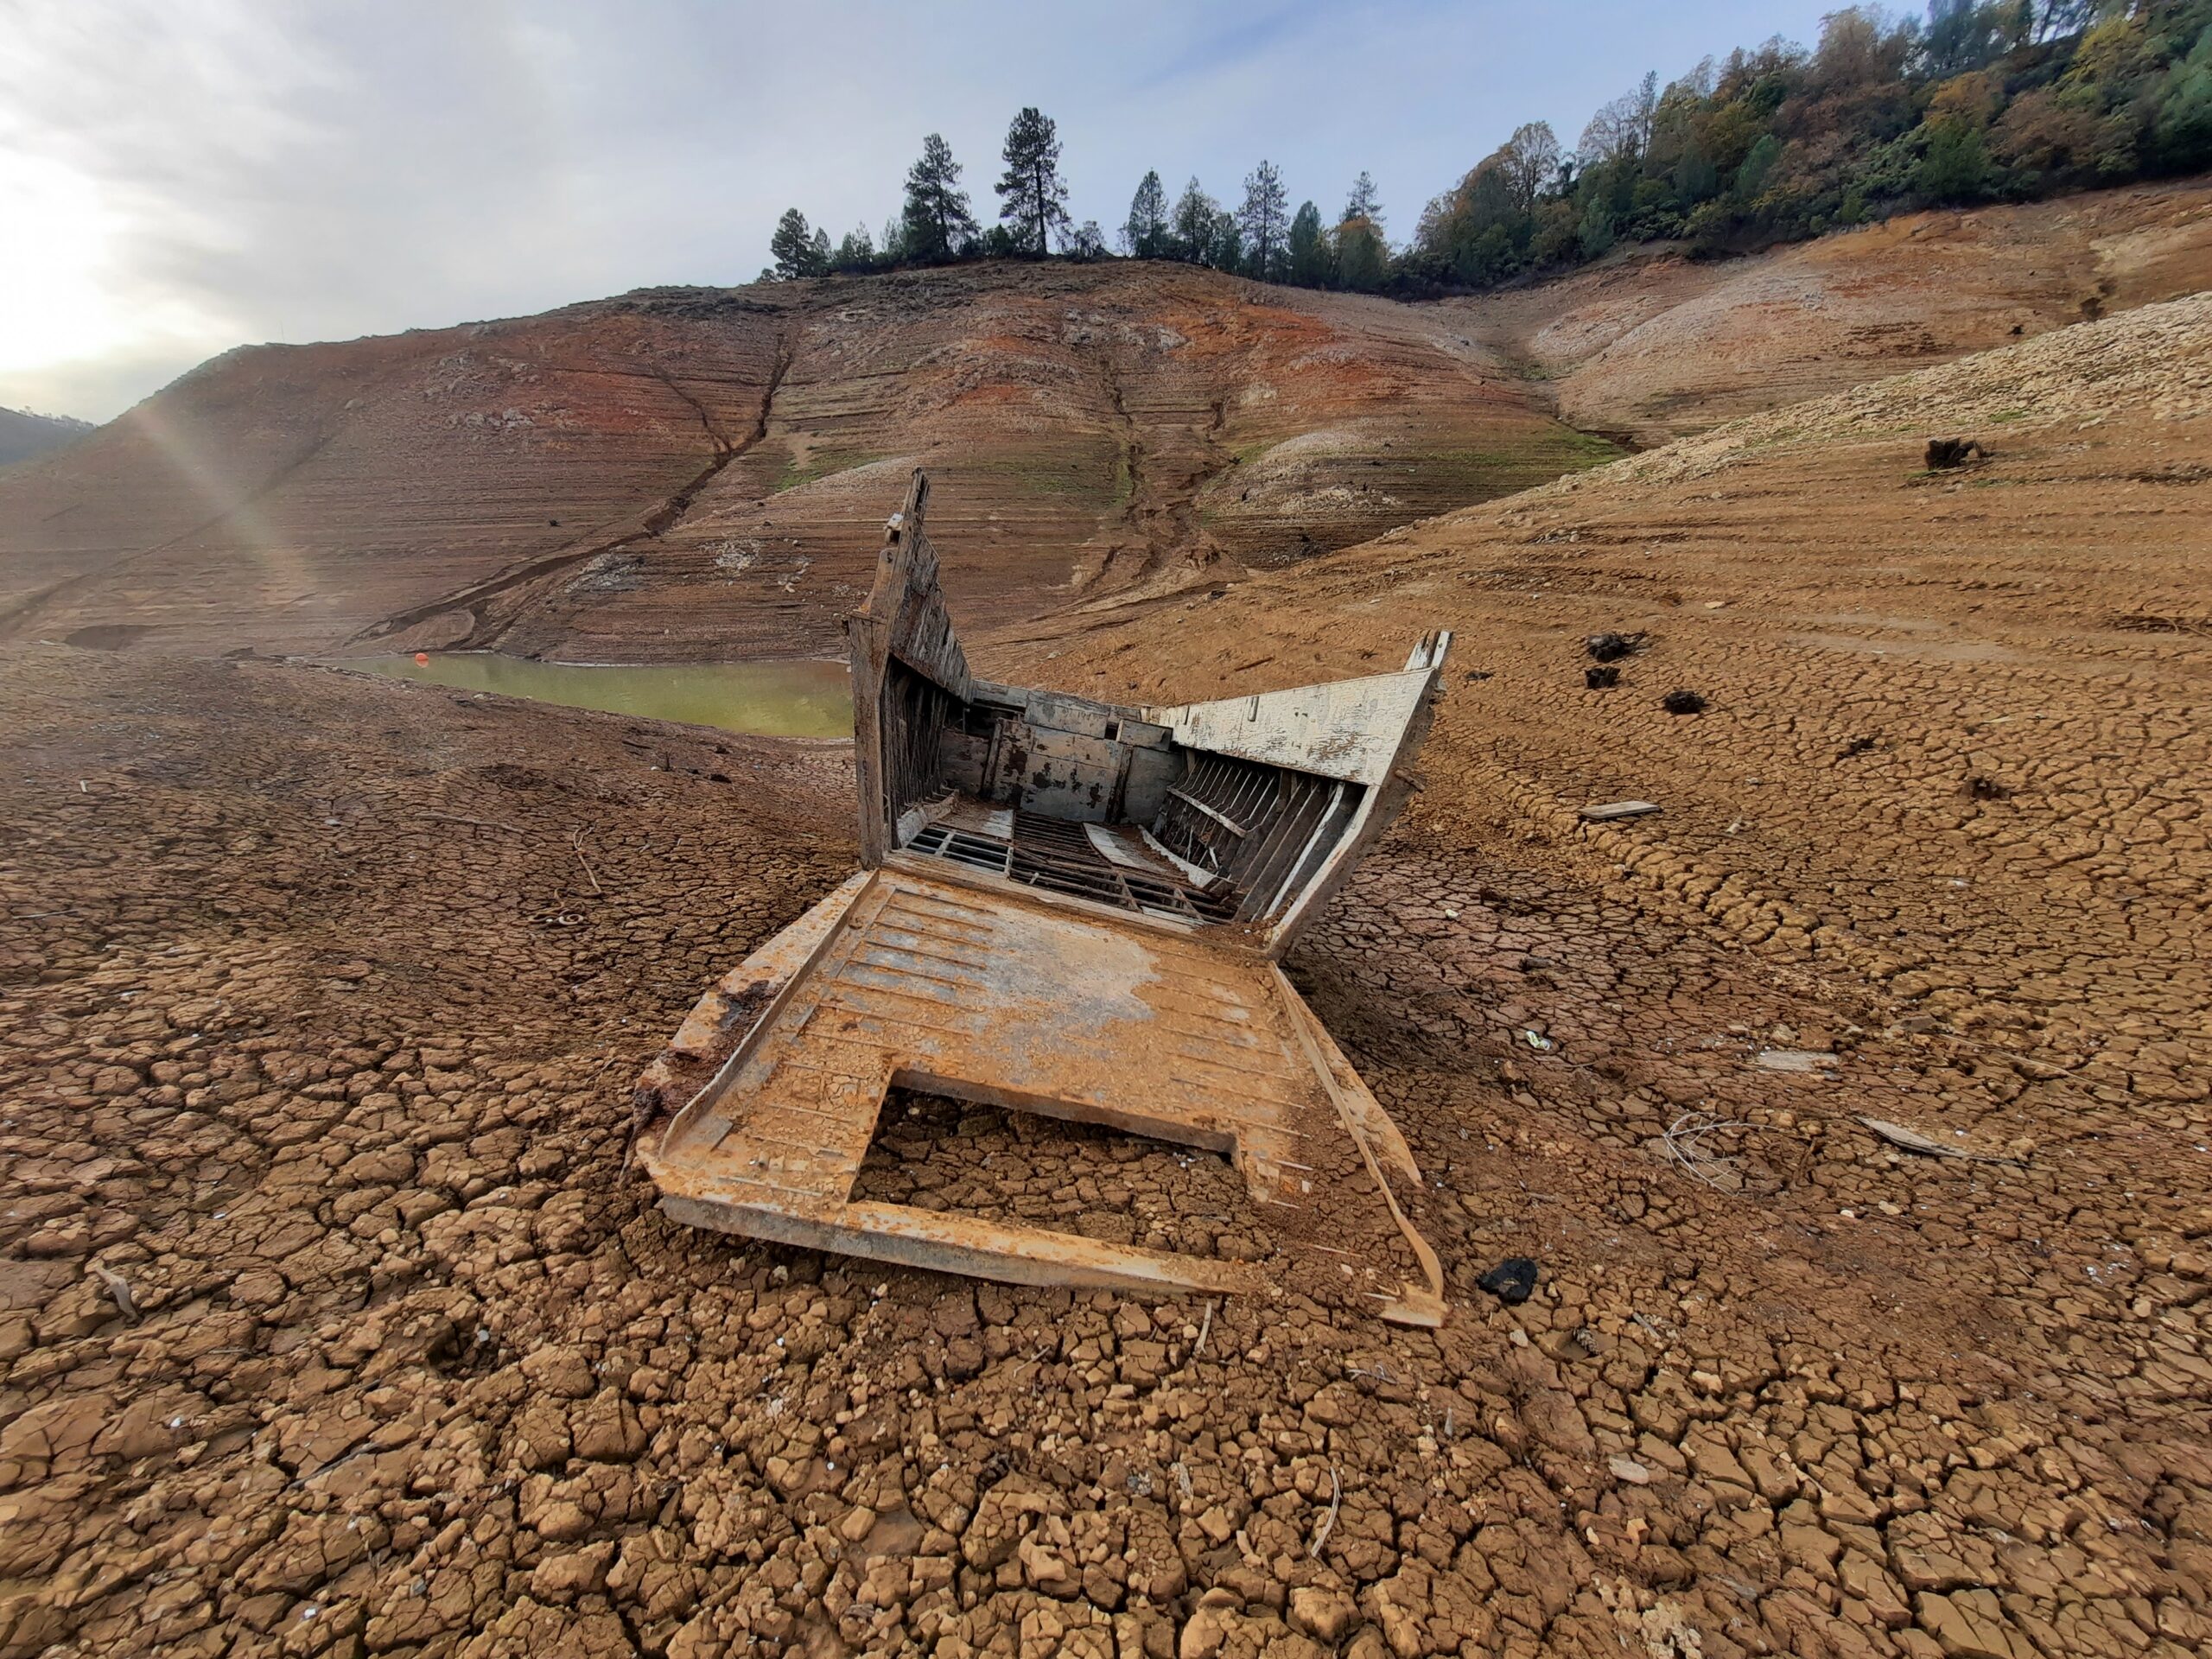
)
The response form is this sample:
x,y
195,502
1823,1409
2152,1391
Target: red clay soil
x,y
695,472
333,1319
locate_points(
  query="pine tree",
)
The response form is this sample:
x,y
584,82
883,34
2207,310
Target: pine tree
x,y
1309,253
1361,257
1226,251
797,252
1362,260
1145,236
1195,214
939,225
1264,218
1363,202
1032,195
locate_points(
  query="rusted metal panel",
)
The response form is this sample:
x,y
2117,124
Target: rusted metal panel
x,y
1347,729
909,674
1073,909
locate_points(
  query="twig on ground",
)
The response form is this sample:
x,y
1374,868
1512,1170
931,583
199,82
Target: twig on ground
x,y
1913,1141
1204,1327
1328,1521
1684,1141
576,841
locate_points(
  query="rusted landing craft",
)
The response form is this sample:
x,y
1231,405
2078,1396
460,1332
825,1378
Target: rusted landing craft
x,y
1073,909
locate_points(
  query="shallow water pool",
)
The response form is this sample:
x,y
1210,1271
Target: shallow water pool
x,y
806,698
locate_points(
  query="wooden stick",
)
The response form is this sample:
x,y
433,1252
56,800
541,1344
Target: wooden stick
x,y
1328,1521
576,842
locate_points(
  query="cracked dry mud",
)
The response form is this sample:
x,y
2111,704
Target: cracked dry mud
x,y
319,996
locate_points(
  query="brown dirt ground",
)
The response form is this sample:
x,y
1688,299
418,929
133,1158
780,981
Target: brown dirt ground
x,y
319,997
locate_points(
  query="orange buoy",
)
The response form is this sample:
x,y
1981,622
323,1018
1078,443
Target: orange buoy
x,y
422,658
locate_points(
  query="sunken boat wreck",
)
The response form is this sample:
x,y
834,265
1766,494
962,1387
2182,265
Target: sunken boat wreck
x,y
1074,909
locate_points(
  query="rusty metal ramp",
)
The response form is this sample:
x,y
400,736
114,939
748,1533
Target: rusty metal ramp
x,y
919,982
1074,910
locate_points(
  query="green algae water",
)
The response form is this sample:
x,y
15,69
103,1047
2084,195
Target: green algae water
x,y
787,699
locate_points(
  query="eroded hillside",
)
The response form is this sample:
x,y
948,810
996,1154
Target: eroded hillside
x,y
698,473
693,473
1654,346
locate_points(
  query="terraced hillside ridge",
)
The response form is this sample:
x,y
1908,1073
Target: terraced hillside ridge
x,y
681,472
1653,346
687,472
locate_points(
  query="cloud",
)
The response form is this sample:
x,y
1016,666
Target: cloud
x,y
180,176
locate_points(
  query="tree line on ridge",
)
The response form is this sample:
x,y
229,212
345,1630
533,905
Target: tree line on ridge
x,y
1980,101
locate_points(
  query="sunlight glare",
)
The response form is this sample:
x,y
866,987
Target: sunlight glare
x,y
61,299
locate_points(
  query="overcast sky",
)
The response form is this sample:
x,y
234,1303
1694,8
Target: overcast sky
x,y
181,176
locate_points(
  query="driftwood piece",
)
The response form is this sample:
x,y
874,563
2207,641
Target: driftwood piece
x,y
1608,811
1913,1141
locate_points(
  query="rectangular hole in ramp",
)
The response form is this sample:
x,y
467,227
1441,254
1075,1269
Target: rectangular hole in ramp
x,y
1025,1170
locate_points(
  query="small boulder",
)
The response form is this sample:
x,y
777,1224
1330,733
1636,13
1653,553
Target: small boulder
x,y
1943,454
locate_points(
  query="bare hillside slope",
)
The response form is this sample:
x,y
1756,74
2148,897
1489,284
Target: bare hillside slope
x,y
25,433
687,473
698,473
1654,346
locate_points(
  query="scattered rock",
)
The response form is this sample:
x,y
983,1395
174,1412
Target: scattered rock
x,y
1800,1060
1512,1280
1945,453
